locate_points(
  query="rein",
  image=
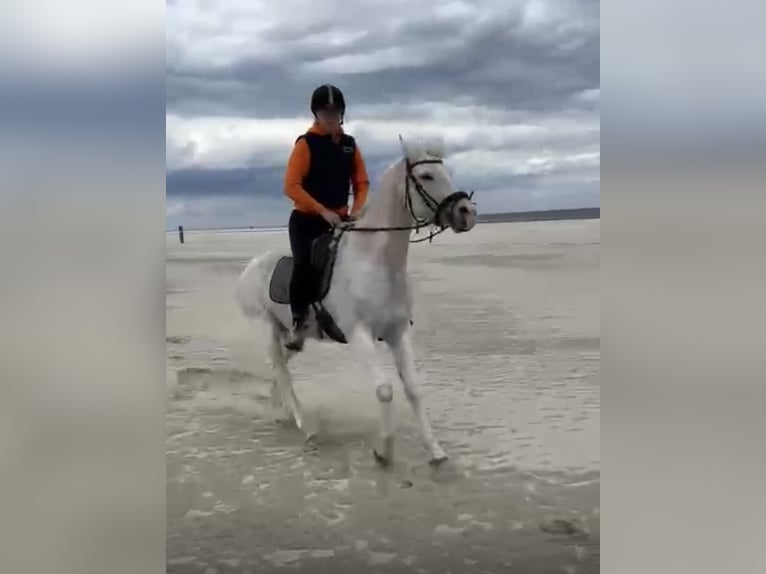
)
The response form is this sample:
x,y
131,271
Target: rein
x,y
435,206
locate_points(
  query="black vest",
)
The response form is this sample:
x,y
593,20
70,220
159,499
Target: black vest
x,y
331,168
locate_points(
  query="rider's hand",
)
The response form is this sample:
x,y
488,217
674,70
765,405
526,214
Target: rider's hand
x,y
331,217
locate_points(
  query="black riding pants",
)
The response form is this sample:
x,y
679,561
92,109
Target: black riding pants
x,y
303,229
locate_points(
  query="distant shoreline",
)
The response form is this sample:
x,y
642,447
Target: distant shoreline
x,y
505,217
543,215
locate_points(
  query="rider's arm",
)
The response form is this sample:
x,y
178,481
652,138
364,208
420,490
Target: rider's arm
x,y
360,183
297,167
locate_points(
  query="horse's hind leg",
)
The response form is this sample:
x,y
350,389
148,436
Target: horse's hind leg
x,y
282,390
364,348
404,356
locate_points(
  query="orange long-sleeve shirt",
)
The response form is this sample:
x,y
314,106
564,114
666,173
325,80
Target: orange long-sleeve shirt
x,y
298,166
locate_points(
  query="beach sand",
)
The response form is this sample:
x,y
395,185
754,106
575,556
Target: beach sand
x,y
508,345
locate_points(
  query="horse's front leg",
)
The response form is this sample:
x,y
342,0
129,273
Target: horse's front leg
x,y
404,356
364,349
282,390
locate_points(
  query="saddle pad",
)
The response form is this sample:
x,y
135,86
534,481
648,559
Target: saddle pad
x,y
323,254
279,287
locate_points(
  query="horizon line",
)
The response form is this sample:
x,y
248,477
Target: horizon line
x,y
480,219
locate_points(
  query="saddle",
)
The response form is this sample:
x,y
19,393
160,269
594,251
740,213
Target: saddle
x,y
324,250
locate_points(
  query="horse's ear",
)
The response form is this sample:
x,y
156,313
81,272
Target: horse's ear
x,y
405,149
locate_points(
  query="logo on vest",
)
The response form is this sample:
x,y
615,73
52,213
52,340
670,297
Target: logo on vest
x,y
348,149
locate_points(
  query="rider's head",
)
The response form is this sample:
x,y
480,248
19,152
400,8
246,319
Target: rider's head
x,y
328,106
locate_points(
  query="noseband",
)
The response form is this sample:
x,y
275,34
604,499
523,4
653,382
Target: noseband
x,y
436,207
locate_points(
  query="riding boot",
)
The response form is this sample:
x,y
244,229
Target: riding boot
x,y
297,335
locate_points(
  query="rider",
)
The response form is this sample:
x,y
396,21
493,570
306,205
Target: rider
x,y
323,162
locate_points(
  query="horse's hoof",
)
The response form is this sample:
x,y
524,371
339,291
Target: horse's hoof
x,y
311,437
438,460
283,421
380,459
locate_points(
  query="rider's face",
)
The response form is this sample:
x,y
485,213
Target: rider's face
x,y
329,120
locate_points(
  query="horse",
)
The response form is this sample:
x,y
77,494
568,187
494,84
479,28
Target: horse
x,y
365,295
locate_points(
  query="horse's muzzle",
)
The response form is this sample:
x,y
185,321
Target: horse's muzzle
x,y
462,215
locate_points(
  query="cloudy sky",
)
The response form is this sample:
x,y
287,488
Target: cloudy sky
x,y
513,86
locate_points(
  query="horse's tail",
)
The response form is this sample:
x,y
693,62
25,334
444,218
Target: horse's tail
x,y
252,291
248,287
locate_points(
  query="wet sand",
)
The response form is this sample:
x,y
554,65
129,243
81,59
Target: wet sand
x,y
507,341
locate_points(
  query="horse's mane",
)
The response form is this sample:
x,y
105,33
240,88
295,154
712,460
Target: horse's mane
x,y
414,150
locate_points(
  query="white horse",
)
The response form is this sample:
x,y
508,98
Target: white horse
x,y
367,297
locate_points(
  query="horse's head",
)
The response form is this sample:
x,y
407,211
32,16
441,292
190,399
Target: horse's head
x,y
428,191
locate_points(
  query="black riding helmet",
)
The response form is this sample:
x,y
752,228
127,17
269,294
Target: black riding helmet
x,y
328,96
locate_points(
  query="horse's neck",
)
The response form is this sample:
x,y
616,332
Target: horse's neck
x,y
385,210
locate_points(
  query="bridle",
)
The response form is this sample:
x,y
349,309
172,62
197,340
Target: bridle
x,y
437,207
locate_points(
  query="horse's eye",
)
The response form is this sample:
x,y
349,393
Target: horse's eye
x,y
427,177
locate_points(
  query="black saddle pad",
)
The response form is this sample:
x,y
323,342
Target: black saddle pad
x,y
323,251
279,287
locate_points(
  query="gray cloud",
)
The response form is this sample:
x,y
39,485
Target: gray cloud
x,y
247,182
524,78
254,197
494,63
